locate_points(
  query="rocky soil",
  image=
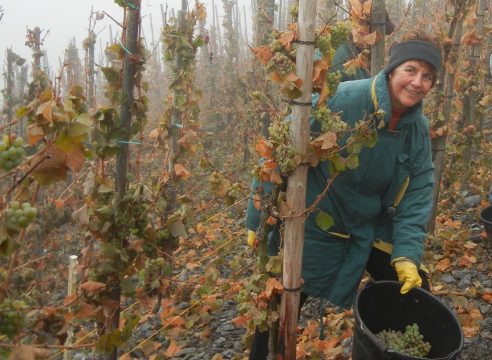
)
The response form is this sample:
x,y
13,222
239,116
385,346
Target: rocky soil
x,y
459,288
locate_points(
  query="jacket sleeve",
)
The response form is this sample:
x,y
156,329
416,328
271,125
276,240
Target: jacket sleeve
x,y
413,213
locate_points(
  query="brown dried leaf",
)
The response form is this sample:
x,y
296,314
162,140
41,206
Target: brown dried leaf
x,y
34,134
75,158
365,40
92,286
263,54
287,38
326,141
264,148
181,171
86,311
443,265
27,352
320,69
188,138
273,286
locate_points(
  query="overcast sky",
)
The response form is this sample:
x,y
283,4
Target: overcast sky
x,y
66,19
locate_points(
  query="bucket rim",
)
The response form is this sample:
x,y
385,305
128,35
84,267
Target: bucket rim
x,y
487,221
364,327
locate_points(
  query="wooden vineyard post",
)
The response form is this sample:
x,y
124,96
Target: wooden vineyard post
x,y
378,24
71,286
296,185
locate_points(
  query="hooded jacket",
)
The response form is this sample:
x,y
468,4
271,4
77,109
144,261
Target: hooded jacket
x,y
398,171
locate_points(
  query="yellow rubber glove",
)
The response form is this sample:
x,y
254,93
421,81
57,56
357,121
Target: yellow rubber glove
x,y
252,239
407,274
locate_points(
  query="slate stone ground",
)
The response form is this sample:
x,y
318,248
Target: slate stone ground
x,y
225,341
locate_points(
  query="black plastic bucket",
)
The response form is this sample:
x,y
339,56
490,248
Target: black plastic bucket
x,y
486,219
380,306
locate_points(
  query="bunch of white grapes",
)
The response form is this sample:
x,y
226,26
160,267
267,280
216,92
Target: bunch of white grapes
x,y
11,152
19,215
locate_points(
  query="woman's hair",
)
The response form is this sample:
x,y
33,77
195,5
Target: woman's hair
x,y
417,34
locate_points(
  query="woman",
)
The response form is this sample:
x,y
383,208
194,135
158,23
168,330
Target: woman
x,y
389,196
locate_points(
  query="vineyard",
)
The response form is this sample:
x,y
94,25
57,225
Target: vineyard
x,y
125,177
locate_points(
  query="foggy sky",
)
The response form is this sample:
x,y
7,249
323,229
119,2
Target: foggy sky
x,y
66,19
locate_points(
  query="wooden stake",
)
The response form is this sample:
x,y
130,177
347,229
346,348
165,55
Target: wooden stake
x,y
71,286
296,186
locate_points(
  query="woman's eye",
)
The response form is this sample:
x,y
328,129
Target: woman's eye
x,y
428,77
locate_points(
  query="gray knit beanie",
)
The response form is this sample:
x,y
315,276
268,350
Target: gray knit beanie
x,y
414,50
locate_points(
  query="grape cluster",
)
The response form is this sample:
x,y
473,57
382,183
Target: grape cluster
x,y
276,46
19,216
233,193
11,152
339,34
333,79
323,43
11,317
409,343
285,156
281,64
329,122
279,131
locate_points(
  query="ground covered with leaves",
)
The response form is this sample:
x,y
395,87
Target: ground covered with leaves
x,y
200,317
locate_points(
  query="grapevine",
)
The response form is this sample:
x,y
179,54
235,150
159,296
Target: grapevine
x,y
411,342
11,152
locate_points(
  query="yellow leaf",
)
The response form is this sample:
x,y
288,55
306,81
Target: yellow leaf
x,y
201,12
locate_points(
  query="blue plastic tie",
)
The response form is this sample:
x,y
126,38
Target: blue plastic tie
x,y
131,5
124,48
129,142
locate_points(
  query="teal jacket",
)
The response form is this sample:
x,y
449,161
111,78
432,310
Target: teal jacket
x,y
344,53
362,201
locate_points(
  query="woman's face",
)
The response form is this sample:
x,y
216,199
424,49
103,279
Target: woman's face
x,y
409,83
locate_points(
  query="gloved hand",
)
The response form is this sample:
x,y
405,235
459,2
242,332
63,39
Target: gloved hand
x,y
252,243
407,274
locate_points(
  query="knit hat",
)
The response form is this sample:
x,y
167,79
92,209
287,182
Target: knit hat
x,y
414,50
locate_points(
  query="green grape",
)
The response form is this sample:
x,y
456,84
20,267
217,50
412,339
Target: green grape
x,y
18,216
323,43
339,34
11,152
18,142
411,342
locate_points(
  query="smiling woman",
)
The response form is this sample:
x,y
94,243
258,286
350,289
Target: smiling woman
x,y
380,208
